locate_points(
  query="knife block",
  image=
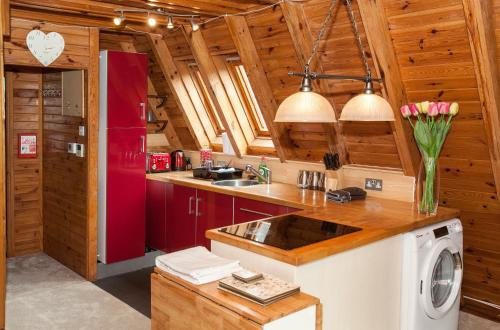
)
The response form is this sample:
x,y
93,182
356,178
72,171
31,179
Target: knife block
x,y
334,179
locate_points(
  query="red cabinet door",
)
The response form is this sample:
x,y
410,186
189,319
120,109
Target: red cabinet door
x,y
125,194
180,217
213,211
249,210
156,215
127,89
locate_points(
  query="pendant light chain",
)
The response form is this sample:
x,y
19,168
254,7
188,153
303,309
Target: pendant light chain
x,y
358,37
322,31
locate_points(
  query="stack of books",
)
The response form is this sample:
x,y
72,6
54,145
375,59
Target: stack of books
x,y
263,289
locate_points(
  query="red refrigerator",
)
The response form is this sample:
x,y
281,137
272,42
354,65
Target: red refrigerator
x,y
122,156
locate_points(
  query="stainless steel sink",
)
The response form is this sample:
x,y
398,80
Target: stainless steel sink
x,y
235,183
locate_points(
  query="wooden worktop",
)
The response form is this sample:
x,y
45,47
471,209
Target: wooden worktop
x,y
378,218
257,313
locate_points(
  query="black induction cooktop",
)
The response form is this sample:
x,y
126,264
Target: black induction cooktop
x,y
289,231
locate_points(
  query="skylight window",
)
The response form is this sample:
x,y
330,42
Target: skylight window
x,y
207,100
252,109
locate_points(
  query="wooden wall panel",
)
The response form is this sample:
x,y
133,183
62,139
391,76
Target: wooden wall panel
x,y
64,184
3,194
435,59
75,53
24,181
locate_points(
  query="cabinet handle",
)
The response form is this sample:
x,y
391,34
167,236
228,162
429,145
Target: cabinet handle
x,y
255,212
197,208
190,210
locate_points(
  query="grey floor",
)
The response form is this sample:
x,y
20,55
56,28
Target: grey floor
x,y
133,288
42,294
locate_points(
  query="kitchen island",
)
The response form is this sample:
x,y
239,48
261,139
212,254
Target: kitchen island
x,y
357,277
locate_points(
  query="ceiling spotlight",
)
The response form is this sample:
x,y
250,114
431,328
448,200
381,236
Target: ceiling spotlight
x,y
119,20
170,23
151,21
194,25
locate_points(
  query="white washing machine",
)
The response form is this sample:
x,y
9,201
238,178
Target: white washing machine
x,y
431,277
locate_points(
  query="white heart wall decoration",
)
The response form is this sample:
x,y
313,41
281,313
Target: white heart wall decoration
x,y
45,47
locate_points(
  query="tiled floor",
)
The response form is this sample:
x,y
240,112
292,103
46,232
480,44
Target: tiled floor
x,y
42,294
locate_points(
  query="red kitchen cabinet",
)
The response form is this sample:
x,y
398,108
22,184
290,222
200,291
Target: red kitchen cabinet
x,y
249,210
213,211
156,215
180,217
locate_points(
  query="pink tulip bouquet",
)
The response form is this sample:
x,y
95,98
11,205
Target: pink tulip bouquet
x,y
431,122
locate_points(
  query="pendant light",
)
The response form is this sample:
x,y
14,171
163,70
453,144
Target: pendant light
x,y
310,107
366,106
307,106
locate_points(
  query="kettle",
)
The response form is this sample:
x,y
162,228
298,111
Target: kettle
x,y
178,161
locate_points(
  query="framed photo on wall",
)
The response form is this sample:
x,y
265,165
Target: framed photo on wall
x,y
27,145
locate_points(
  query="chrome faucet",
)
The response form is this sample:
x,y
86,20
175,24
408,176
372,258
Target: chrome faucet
x,y
266,178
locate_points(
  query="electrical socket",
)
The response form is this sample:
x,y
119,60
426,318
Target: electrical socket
x,y
81,130
80,150
373,184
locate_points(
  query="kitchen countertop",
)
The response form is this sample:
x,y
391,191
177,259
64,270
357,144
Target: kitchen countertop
x,y
378,218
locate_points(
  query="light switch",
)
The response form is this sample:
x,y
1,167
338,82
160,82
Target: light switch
x,y
80,150
81,130
72,148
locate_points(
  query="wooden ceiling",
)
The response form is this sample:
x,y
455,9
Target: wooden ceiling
x,y
105,8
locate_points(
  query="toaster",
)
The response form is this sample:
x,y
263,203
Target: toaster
x,y
158,162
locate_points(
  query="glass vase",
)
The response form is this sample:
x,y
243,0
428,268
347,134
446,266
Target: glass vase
x,y
428,186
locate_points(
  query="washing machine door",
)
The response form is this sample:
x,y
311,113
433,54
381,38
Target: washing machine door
x,y
441,278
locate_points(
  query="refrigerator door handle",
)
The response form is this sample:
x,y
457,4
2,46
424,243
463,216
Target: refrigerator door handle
x,y
143,143
143,110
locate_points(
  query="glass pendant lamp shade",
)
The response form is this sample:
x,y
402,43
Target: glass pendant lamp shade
x,y
367,107
305,107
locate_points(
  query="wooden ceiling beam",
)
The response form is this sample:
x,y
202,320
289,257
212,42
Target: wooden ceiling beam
x,y
169,131
387,66
166,62
260,84
480,19
216,90
296,21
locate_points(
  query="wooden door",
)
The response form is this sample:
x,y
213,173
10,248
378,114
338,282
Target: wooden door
x,y
180,217
213,210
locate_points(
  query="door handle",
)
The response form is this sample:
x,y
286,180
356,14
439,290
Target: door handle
x,y
143,110
255,212
197,207
190,209
143,143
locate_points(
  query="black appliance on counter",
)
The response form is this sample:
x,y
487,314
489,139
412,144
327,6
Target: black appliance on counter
x,y
290,231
